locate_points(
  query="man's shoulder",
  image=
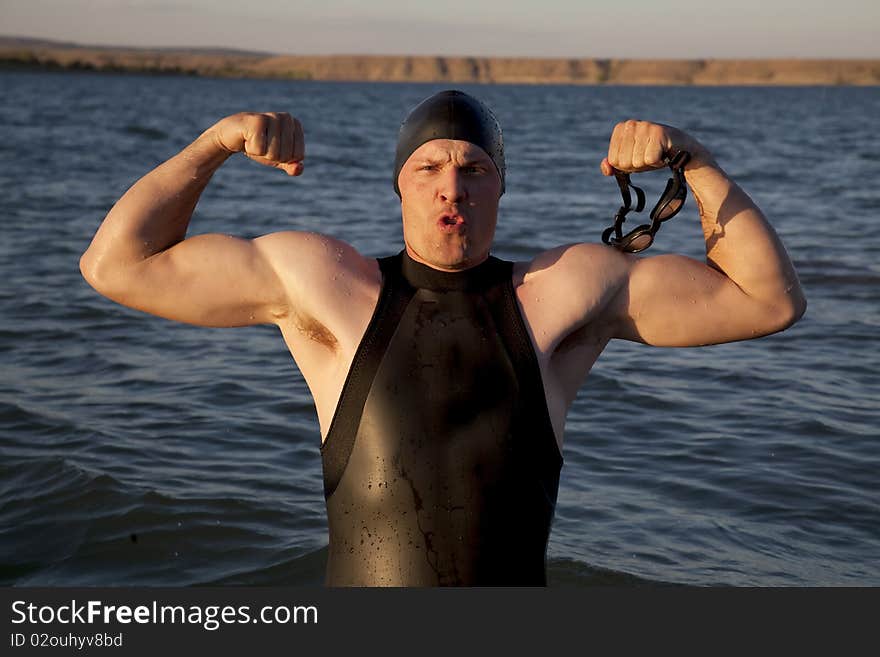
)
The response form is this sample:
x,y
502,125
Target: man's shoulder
x,y
578,262
311,253
569,287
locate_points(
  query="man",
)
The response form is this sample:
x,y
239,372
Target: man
x,y
442,375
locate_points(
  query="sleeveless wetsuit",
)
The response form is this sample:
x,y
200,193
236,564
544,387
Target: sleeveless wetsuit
x,y
441,466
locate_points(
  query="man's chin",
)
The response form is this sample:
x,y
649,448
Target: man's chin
x,y
447,257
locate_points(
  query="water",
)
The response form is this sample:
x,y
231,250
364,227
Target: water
x,y
136,451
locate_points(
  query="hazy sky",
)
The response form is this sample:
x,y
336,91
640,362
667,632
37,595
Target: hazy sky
x,y
547,28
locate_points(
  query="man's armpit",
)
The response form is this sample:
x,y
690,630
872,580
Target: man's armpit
x,y
315,331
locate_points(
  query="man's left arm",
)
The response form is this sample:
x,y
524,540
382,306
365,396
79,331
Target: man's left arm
x,y
747,286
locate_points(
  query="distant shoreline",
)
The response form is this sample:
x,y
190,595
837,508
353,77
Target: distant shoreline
x,y
36,55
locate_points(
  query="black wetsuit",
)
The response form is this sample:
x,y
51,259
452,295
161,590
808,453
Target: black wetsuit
x,y
441,466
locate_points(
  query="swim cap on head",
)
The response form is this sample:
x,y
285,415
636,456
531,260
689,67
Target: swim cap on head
x,y
450,115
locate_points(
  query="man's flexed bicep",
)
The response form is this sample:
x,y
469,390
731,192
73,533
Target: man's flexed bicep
x,y
206,280
221,281
676,301
140,256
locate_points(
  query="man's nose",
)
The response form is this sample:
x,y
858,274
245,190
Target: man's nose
x,y
452,187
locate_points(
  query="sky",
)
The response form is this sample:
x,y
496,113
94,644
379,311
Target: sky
x,y
511,28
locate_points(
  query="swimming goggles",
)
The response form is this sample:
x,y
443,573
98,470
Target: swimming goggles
x,y
672,200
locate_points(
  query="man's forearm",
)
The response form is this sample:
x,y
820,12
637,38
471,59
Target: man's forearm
x,y
739,240
155,212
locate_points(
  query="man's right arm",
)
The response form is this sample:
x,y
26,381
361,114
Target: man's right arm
x,y
140,256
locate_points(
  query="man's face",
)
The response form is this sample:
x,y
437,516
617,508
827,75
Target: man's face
x,y
449,192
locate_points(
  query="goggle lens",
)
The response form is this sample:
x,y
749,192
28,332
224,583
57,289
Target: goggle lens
x,y
639,242
670,209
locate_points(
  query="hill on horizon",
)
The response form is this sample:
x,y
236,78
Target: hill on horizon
x,y
17,52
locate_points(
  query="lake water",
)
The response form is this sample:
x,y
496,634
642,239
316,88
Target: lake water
x,y
136,451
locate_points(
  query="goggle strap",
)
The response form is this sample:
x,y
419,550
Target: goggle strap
x,y
640,196
679,160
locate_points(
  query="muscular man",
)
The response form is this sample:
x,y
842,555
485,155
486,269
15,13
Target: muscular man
x,y
442,375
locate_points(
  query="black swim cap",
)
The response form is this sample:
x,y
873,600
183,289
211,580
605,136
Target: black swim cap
x,y
450,115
